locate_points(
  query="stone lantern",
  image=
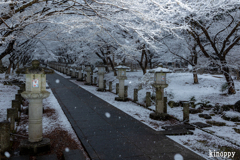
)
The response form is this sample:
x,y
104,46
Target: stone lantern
x,y
121,76
35,93
69,71
101,72
61,68
88,70
160,84
65,69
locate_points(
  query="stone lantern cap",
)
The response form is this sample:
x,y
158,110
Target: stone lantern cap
x,y
79,68
160,70
101,69
35,69
122,67
88,68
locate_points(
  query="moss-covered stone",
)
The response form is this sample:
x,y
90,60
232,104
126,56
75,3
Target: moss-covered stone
x,y
237,130
215,123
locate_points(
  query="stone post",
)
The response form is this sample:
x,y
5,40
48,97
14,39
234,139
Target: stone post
x,y
105,84
16,105
101,72
64,70
135,95
95,80
117,88
121,76
91,79
23,87
18,97
69,71
186,111
76,73
160,100
73,72
88,79
237,74
126,92
165,105
12,113
80,74
5,135
148,99
20,91
110,86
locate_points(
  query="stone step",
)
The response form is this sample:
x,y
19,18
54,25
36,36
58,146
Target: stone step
x,y
206,116
201,125
73,155
177,132
179,126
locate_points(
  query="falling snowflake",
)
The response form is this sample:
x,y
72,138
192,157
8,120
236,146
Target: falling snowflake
x,y
107,115
67,149
178,157
7,154
57,81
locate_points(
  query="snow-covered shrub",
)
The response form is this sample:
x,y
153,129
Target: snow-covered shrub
x,y
232,116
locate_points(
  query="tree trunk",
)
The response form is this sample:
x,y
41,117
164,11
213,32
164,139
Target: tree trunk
x,y
195,61
142,67
195,77
8,50
226,73
112,65
8,71
237,73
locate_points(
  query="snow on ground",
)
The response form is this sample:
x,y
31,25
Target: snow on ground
x,y
201,142
180,88
60,120
7,94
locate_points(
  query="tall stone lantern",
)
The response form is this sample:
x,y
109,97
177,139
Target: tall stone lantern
x,y
101,72
121,76
35,93
160,84
88,70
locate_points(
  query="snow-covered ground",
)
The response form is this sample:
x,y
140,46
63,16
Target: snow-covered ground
x,y
180,88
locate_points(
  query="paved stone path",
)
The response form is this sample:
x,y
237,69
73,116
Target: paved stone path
x,y
118,137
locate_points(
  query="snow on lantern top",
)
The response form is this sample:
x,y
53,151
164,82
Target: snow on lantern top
x,y
101,69
122,71
88,68
160,75
160,69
